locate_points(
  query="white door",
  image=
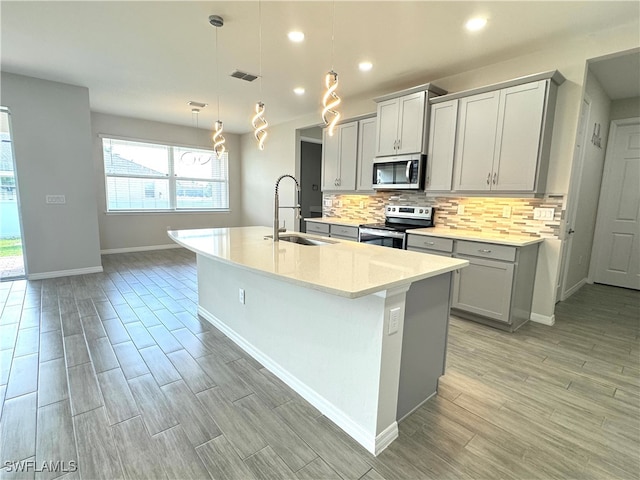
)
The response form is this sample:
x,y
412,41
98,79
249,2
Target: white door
x,y
618,229
573,200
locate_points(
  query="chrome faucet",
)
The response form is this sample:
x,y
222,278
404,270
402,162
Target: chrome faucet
x,y
277,207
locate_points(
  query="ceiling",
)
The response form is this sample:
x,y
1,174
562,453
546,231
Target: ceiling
x,y
147,59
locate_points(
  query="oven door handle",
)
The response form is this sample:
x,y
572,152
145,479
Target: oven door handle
x,y
381,233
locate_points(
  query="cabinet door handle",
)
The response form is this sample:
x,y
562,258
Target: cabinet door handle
x,y
429,243
489,178
399,143
495,178
484,250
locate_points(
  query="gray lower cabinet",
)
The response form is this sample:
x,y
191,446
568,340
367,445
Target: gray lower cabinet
x,y
318,228
496,288
342,232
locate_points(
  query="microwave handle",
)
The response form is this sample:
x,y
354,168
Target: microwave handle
x,y
408,172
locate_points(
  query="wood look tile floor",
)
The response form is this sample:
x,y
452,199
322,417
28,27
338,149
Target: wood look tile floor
x,y
116,373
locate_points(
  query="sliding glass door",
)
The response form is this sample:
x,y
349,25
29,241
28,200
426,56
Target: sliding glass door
x,y
11,251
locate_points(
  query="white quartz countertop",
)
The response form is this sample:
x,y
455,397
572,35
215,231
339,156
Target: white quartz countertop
x,y
347,222
347,269
496,238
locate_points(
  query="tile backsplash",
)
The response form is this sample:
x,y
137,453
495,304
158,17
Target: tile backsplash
x,y
482,214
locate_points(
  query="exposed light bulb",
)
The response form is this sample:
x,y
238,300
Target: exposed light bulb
x,y
330,101
218,140
296,36
365,66
475,24
299,91
260,131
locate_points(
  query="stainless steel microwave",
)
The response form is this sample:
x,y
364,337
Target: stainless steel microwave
x,y
403,172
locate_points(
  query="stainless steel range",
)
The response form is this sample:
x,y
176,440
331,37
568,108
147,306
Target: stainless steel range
x,y
398,219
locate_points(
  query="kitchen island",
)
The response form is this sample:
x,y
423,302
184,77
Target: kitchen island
x,y
359,331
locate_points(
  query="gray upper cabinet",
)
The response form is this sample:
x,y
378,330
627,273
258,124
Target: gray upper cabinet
x,y
402,121
366,153
442,139
401,125
339,157
499,137
502,137
476,141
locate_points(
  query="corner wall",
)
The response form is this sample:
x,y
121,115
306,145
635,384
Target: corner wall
x,y
52,144
127,231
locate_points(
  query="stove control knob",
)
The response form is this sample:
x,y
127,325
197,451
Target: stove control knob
x,y
421,211
393,209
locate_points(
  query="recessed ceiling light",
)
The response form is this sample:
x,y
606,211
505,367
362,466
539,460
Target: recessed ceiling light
x,y
296,36
475,24
365,66
298,91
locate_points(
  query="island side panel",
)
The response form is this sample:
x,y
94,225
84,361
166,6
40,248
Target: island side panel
x,y
424,341
327,348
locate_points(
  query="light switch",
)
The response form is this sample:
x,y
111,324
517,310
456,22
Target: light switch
x,y
506,212
55,199
460,209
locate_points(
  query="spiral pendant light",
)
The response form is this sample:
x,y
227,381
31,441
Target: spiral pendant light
x,y
218,139
258,121
260,125
331,100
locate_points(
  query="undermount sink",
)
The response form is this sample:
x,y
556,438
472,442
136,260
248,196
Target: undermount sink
x,y
302,240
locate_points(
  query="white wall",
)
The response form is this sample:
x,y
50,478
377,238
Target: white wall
x,y
129,230
590,180
569,58
625,108
52,145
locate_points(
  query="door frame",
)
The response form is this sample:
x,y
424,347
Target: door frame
x,y
18,202
600,233
573,199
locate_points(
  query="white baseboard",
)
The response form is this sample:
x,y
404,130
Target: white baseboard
x,y
543,319
374,445
64,273
385,438
574,289
109,251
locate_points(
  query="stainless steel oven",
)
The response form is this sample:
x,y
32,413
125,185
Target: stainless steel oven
x,y
398,219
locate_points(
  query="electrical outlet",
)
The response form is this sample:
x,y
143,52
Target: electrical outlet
x,y
361,203
394,320
543,213
55,199
327,202
241,295
506,212
339,203
460,209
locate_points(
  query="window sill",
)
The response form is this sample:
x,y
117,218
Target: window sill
x,y
163,212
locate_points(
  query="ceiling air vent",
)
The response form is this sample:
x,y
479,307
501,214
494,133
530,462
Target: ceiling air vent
x,y
249,77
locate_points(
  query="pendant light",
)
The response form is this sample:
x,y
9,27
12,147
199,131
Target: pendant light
x,y
331,100
218,139
258,121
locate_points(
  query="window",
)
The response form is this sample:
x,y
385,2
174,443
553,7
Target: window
x,y
152,177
